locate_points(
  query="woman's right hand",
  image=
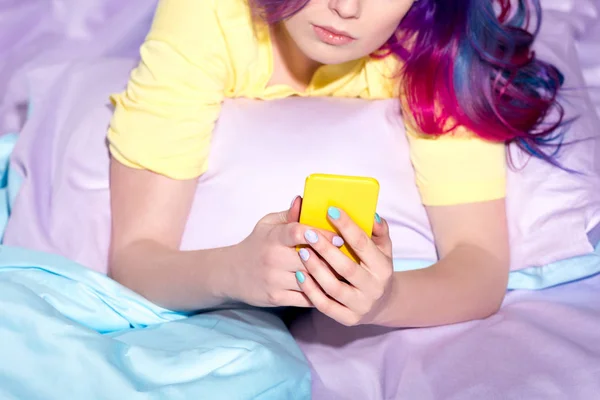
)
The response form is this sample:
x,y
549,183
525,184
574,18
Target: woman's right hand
x,y
264,271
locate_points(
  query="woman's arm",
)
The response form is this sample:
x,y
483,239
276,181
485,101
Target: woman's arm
x,y
469,281
149,213
462,182
163,122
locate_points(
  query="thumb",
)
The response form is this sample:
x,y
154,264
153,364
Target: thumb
x,y
381,235
293,214
284,217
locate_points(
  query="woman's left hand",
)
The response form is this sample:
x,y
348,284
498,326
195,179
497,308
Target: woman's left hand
x,y
358,300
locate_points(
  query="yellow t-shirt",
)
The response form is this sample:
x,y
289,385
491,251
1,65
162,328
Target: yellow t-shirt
x,y
199,52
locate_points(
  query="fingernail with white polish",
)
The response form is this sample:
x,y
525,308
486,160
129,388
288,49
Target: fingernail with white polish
x,y
304,254
337,241
293,201
311,236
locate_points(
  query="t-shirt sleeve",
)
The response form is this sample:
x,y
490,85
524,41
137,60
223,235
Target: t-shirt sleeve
x,y
458,168
164,119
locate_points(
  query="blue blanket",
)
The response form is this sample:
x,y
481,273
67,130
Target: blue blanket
x,y
67,332
9,181
70,333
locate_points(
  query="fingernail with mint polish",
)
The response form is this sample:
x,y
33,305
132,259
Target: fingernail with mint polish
x,y
377,218
334,213
337,241
300,277
304,254
311,236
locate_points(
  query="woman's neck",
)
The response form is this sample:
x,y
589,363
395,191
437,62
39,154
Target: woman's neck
x,y
290,66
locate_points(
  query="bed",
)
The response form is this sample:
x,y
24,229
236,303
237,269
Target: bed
x,y
68,331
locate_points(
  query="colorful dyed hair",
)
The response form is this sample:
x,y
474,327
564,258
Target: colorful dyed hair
x,y
470,63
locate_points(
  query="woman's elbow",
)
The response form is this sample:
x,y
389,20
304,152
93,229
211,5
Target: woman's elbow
x,y
495,293
116,267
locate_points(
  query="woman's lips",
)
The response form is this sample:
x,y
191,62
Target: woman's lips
x,y
332,36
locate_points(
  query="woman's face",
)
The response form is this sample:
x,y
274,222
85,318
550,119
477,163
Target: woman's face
x,y
337,31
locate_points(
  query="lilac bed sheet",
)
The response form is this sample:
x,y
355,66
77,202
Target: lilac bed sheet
x,y
542,345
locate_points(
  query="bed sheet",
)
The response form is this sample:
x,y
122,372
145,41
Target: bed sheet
x,y
542,345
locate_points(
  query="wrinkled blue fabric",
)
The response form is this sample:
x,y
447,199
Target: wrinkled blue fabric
x,y
70,333
8,179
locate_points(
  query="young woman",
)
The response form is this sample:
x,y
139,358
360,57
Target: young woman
x,y
468,84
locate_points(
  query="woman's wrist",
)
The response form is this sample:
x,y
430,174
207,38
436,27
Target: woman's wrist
x,y
223,281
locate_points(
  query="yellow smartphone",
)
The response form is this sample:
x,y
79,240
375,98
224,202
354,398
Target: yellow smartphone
x,y
356,195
